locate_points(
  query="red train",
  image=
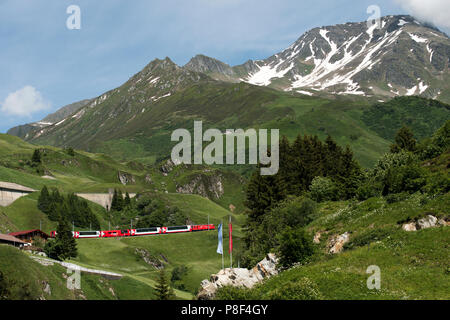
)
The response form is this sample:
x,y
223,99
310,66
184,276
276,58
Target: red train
x,y
137,232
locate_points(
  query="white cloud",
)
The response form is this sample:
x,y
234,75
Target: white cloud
x,y
434,11
24,102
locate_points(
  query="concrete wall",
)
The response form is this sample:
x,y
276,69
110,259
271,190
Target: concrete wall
x,y
103,199
9,196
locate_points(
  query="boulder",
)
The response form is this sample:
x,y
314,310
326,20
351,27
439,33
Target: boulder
x,y
125,178
409,226
238,277
427,222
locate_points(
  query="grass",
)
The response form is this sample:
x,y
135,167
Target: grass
x,y
414,265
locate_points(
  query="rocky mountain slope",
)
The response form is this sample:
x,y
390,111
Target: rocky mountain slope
x,y
349,65
402,56
22,131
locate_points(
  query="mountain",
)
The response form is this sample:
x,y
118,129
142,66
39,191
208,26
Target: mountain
x,y
320,85
22,131
402,57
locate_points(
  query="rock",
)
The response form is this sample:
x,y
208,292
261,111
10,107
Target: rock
x,y
238,277
167,167
145,255
337,243
232,207
427,222
148,179
208,186
409,226
444,223
317,237
47,288
125,178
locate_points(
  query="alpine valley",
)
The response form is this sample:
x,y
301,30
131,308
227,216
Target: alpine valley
x,y
364,118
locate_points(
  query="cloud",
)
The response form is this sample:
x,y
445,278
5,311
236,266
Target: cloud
x,y
24,102
434,11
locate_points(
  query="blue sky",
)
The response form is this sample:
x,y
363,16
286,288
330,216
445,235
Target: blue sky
x,y
44,63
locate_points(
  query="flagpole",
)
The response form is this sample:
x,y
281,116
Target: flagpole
x,y
231,243
223,267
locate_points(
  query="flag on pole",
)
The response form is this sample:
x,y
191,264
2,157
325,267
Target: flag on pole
x,y
230,249
220,245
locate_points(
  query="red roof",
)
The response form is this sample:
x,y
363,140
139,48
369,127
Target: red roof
x,y
21,233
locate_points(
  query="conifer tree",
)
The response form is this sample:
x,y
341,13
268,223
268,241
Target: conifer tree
x,y
163,289
404,140
36,158
44,200
127,201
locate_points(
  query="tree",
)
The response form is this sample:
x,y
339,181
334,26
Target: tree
x,y
295,246
44,200
127,201
64,246
404,140
70,152
36,158
117,203
163,289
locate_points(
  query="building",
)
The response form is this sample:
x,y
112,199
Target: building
x,y
11,240
30,236
10,192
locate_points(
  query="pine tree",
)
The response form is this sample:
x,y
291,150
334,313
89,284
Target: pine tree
x,y
404,140
67,246
127,201
36,158
44,200
163,289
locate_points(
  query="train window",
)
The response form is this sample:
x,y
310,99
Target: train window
x,y
147,230
177,228
88,233
124,231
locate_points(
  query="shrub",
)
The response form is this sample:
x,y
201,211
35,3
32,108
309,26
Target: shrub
x,y
323,189
295,247
408,178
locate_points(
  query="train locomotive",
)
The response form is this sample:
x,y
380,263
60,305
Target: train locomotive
x,y
137,232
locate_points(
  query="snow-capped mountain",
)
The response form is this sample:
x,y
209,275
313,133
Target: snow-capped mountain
x,y
399,56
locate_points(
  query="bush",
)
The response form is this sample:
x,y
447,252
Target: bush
x,y
295,247
408,178
262,237
323,189
303,289
396,197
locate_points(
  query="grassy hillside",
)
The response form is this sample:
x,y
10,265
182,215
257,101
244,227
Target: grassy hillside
x,y
28,279
414,265
143,133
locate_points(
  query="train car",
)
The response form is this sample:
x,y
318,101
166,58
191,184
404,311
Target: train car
x,y
147,231
176,229
203,227
110,233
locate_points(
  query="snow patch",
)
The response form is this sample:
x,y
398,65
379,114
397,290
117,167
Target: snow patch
x,y
417,38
